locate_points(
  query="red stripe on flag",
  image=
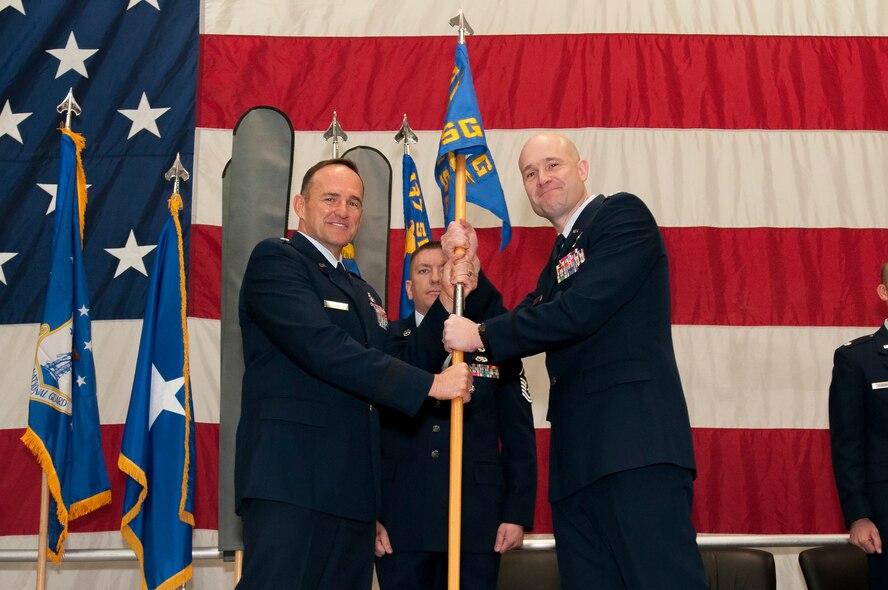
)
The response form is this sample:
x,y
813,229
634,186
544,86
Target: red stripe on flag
x,y
787,488
599,80
765,481
720,276
204,271
775,276
20,483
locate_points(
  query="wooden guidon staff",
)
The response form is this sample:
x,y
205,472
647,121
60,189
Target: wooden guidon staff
x,y
456,406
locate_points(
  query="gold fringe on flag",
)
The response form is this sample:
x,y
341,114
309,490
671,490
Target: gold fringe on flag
x,y
175,204
79,143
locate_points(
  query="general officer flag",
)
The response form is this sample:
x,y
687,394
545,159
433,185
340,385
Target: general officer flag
x,y
157,451
417,230
63,415
463,133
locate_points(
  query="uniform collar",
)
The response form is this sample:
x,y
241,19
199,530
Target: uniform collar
x,y
334,262
573,218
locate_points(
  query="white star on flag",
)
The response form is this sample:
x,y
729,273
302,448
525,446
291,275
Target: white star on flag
x,y
51,190
17,4
163,396
151,2
84,310
88,345
10,121
71,57
81,381
130,255
143,117
5,257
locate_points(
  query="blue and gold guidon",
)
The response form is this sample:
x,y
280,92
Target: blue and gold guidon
x,y
463,133
417,230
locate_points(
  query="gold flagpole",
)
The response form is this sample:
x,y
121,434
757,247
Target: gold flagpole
x,y
70,107
456,410
456,405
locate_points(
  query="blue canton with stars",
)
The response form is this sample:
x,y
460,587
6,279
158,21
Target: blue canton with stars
x,y
132,65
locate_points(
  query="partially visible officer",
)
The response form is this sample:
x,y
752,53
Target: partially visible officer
x,y
307,476
858,430
499,466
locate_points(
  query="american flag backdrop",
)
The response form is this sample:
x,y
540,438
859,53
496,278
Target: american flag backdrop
x,y
755,131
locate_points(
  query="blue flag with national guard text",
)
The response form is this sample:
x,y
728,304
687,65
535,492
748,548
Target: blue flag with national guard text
x,y
157,451
417,230
63,415
463,133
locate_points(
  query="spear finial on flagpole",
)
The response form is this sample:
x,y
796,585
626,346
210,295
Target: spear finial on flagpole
x,y
69,106
406,134
177,172
463,25
335,132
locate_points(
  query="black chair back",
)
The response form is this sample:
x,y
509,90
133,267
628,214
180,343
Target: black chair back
x,y
529,569
835,567
739,568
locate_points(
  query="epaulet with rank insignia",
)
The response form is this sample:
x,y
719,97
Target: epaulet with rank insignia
x,y
857,341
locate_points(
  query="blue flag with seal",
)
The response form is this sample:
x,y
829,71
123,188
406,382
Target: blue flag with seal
x,y
157,450
463,133
63,414
417,230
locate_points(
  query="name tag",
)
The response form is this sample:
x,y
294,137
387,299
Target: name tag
x,y
880,385
335,305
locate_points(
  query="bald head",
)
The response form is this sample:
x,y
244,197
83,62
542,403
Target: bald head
x,y
554,177
548,141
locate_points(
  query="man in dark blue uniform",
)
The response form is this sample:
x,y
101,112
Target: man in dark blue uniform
x,y
307,476
621,461
499,466
858,430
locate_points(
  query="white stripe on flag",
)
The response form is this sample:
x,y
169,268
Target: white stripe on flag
x,y
713,178
370,18
733,377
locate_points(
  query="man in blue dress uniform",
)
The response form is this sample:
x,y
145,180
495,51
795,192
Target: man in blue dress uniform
x,y
621,462
499,464
307,464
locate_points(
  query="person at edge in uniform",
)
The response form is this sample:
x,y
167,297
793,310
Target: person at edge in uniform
x,y
499,466
307,475
621,463
858,432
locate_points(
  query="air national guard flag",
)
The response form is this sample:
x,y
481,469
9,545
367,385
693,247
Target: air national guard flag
x,y
417,230
63,416
157,451
463,133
